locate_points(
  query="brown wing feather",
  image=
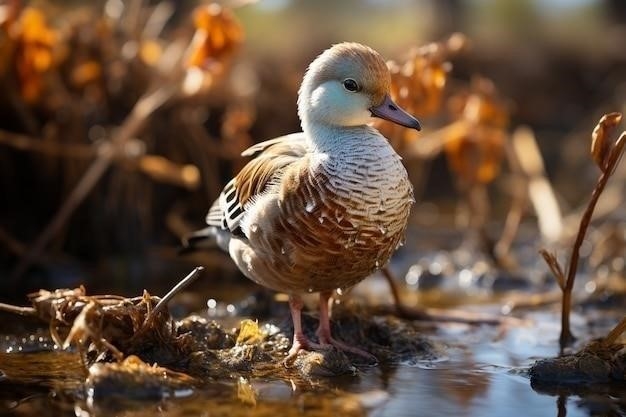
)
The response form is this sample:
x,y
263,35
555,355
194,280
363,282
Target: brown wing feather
x,y
271,158
293,143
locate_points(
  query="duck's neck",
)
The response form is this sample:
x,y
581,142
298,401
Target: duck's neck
x,y
338,140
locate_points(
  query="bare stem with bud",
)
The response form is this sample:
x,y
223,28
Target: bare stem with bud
x,y
607,155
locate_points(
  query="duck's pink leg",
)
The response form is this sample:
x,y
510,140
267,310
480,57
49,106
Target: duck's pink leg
x,y
324,335
300,341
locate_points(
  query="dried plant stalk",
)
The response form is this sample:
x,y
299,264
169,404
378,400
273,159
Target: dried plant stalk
x,y
177,288
163,170
110,324
614,334
525,152
611,162
27,143
555,267
607,159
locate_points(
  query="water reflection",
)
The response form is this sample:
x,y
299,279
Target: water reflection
x,y
596,400
458,386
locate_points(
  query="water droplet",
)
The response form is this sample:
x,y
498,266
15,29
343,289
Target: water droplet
x,y
413,275
246,258
283,250
377,263
254,227
435,268
310,289
382,229
466,278
338,216
310,206
320,219
231,309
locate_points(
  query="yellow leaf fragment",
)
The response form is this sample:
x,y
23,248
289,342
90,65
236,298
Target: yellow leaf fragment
x,y
249,333
245,392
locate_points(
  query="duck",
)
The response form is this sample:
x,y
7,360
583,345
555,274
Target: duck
x,y
321,209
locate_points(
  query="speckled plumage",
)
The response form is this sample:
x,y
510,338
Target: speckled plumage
x,y
322,221
324,208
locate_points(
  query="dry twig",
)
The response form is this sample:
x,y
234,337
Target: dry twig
x,y
177,288
606,155
614,334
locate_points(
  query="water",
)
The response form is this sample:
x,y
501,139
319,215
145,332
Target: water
x,y
481,374
398,391
454,392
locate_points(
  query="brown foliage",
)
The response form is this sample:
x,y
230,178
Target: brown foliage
x,y
475,146
29,46
418,84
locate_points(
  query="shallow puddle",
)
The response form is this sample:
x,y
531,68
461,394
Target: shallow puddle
x,y
481,372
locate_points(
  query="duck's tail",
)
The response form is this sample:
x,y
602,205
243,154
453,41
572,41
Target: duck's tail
x,y
200,239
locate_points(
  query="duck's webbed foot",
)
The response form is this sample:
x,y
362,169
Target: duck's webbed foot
x,y
325,337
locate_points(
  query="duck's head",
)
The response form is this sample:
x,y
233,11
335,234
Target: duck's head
x,y
345,86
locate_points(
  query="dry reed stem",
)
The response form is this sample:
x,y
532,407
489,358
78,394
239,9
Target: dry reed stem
x,y
614,334
555,267
525,160
431,143
156,167
27,143
163,170
11,244
519,201
20,311
607,165
612,161
177,288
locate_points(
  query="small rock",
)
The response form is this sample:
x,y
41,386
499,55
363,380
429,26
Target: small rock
x,y
134,380
582,368
323,363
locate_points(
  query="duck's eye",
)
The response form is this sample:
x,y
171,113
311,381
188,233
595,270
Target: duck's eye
x,y
351,85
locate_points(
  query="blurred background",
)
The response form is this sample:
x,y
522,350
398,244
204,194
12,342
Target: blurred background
x,y
121,120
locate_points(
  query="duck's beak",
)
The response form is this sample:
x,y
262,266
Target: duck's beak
x,y
389,110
